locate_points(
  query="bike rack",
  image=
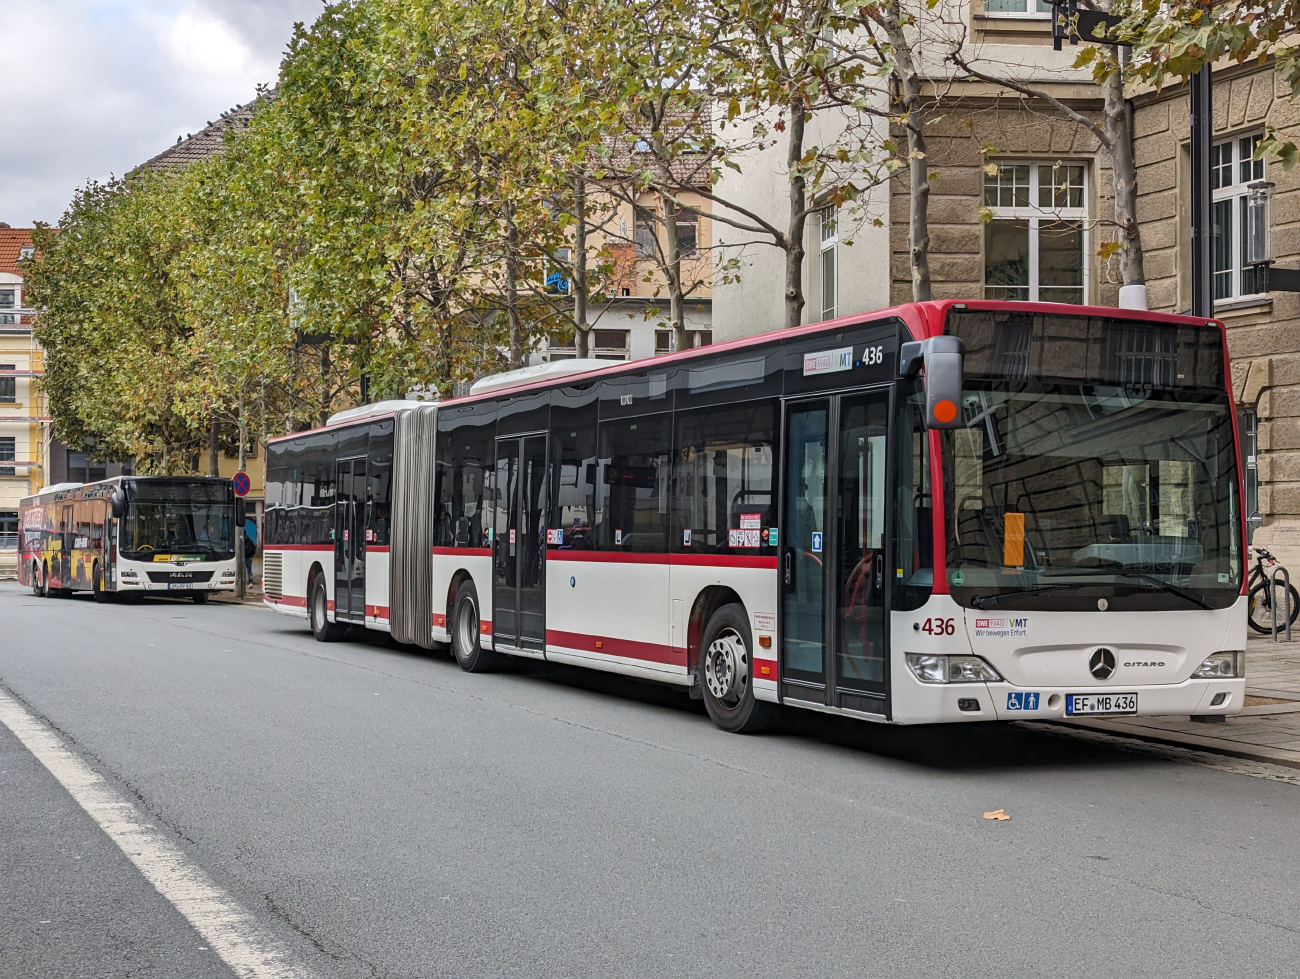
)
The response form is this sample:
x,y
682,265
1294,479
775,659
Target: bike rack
x,y
1286,600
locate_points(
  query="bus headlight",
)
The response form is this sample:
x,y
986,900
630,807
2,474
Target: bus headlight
x,y
1217,666
930,668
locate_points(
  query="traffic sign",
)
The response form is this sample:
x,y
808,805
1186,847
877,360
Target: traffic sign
x,y
242,483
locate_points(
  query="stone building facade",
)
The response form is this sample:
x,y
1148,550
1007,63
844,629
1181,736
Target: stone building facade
x,y
1263,328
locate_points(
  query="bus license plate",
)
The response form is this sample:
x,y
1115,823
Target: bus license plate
x,y
1101,703
180,585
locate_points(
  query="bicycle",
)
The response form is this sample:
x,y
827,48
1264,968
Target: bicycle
x,y
1263,591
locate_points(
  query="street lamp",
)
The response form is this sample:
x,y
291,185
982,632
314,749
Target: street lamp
x,y
1259,241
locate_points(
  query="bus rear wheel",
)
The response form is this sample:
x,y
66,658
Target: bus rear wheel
x,y
465,633
38,582
97,586
726,674
318,613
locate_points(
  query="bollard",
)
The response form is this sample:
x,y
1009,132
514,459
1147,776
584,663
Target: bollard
x,y
1286,600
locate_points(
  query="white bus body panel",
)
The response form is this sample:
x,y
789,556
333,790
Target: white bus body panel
x,y
297,564
377,603
1041,652
448,564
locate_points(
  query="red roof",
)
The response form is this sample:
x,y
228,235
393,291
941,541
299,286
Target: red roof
x,y
11,240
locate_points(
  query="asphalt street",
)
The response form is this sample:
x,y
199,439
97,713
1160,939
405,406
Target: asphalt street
x,y
383,814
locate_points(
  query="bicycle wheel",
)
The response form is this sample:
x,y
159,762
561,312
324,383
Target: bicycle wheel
x,y
1261,614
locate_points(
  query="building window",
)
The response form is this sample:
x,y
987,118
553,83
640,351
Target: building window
x,y
694,338
8,529
601,344
1017,8
8,450
1232,169
7,300
1034,242
83,469
829,225
688,234
643,232
26,252
8,385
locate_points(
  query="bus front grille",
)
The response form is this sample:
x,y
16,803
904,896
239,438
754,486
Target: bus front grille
x,y
165,577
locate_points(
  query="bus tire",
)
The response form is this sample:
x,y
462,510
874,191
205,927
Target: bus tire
x,y
318,613
726,674
38,583
97,585
201,597
465,634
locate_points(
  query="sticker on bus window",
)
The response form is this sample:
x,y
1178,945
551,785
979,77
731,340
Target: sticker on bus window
x,y
751,521
555,536
743,538
618,537
512,534
771,536
817,543
686,537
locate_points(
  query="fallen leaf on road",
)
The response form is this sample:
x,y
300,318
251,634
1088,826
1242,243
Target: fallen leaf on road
x,y
997,814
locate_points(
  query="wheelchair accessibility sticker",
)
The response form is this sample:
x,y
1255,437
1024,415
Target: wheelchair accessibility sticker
x,y
1022,700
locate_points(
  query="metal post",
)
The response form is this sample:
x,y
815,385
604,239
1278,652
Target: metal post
x,y
1202,107
1286,600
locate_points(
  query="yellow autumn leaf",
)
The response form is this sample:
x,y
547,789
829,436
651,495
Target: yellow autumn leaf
x,y
998,814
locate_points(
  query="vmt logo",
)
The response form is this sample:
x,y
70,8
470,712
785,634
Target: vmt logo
x,y
1018,623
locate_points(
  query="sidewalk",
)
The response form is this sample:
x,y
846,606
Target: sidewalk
x,y
1268,728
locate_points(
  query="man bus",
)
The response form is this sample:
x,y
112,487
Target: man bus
x,y
130,535
939,512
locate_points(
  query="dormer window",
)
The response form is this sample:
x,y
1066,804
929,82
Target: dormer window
x,y
26,252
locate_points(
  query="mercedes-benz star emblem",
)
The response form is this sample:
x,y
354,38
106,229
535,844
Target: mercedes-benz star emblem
x,y
1102,605
1102,664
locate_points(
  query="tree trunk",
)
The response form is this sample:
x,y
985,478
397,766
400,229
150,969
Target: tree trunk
x,y
1118,123
581,333
512,289
918,164
214,446
794,252
325,399
673,273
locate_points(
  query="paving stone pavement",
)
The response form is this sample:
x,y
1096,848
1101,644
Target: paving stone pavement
x,y
1268,728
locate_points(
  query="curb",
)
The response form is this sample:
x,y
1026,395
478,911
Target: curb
x,y
1219,746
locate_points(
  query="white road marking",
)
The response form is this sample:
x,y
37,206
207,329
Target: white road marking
x,y
228,929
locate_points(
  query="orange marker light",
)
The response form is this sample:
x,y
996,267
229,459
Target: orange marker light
x,y
945,411
765,642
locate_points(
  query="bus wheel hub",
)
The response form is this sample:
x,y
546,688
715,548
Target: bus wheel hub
x,y
722,665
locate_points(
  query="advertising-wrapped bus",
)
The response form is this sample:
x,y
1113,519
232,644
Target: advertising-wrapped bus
x,y
130,534
938,512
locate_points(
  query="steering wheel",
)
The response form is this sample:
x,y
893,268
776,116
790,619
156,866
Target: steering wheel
x,y
145,547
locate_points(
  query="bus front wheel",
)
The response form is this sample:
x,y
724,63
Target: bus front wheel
x,y
726,674
465,634
318,612
97,586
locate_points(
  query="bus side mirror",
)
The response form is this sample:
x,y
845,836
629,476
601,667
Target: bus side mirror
x,y
941,360
117,503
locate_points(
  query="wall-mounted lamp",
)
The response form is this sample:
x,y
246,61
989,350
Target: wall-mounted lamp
x,y
1259,240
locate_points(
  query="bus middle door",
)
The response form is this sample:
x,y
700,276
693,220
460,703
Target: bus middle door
x,y
519,547
349,540
68,533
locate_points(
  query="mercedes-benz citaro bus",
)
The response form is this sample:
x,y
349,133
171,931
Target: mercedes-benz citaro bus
x,y
940,512
130,535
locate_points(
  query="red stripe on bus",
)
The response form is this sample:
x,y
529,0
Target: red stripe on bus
x,y
465,551
764,669
377,548
652,652
329,548
377,611
484,627
293,600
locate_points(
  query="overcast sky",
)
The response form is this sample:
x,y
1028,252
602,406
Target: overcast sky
x,y
95,87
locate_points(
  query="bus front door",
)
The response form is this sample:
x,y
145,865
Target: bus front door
x,y
67,538
349,540
519,545
834,648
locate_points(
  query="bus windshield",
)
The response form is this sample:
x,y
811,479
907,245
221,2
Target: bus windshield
x,y
1115,489
176,518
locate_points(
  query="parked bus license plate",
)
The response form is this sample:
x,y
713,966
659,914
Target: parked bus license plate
x,y
1101,703
180,584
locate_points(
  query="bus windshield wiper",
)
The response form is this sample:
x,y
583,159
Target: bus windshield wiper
x,y
988,601
1151,579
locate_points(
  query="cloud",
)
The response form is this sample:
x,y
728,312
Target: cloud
x,y
96,87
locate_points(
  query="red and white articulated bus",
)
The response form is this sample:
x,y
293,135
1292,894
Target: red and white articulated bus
x,y
938,512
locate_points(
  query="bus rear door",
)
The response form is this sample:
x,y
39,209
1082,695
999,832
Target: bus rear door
x,y
519,547
349,541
